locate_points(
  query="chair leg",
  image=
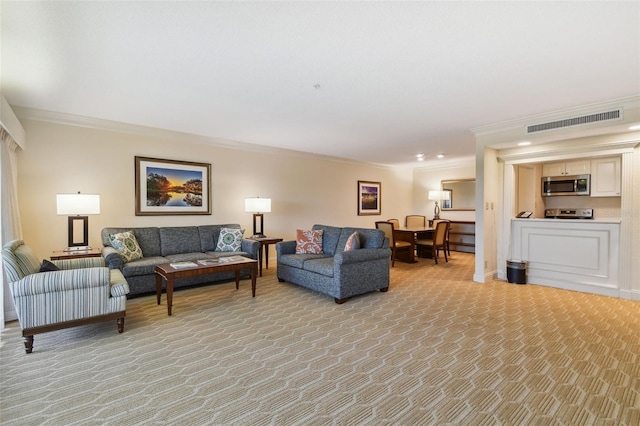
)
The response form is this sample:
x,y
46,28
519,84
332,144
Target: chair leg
x,y
393,258
435,253
28,343
120,325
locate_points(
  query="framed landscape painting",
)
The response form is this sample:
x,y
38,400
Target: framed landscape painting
x,y
169,187
369,198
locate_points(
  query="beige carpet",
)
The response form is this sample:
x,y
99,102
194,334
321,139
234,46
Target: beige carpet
x,y
436,349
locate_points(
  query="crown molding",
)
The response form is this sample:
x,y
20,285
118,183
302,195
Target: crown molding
x,y
26,113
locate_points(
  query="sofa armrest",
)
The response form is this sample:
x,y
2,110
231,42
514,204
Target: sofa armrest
x,y
285,247
251,246
118,284
361,255
85,262
58,281
112,258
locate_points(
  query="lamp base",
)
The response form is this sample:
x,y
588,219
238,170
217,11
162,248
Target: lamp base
x,y
258,236
78,248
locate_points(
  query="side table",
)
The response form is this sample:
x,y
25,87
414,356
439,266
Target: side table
x,y
264,242
61,254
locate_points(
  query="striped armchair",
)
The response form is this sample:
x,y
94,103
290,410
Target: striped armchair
x,y
82,291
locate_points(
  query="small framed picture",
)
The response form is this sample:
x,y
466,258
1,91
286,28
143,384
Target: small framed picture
x,y
170,187
369,198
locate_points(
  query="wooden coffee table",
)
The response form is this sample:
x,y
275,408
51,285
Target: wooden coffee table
x,y
169,274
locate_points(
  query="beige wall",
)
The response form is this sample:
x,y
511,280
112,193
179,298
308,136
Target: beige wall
x,y
429,179
304,189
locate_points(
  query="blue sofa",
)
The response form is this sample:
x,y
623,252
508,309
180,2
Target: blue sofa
x,y
335,272
172,244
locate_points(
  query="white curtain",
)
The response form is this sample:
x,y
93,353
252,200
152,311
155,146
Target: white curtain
x,y
11,227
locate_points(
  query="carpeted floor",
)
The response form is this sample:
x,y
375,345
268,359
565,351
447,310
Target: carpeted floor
x,y
436,349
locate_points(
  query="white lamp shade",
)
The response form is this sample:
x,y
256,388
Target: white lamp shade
x,y
435,195
257,205
78,204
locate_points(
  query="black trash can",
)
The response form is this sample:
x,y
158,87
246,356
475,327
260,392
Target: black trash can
x,y
517,271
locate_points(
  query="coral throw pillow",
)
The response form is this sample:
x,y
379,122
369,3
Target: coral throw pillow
x,y
309,242
353,243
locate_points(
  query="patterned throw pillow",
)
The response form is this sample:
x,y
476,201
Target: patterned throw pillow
x,y
127,245
353,243
309,242
230,239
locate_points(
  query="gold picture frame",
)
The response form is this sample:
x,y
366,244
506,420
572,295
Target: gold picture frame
x,y
369,198
172,187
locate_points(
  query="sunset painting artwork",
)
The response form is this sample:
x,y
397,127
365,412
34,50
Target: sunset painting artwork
x,y
174,187
368,198
168,187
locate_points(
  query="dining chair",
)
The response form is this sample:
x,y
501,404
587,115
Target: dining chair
x,y
439,240
446,237
415,221
387,228
396,223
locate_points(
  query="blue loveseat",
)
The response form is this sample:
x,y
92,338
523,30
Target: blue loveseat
x,y
172,244
335,272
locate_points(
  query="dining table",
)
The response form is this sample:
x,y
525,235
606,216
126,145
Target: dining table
x,y
411,235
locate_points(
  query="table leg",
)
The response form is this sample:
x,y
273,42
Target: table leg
x,y
254,273
266,259
237,279
169,294
159,287
260,256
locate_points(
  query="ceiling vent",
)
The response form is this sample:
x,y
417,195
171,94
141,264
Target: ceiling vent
x,y
615,114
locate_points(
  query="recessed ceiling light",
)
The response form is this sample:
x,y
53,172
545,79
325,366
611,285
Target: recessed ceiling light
x,y
440,155
635,127
524,143
420,158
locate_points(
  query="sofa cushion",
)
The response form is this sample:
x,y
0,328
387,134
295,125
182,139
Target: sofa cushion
x,y
148,239
298,260
309,241
144,266
330,237
323,266
353,242
179,239
369,238
127,245
230,239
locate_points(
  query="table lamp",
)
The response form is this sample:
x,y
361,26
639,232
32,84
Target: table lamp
x,y
257,206
437,196
77,206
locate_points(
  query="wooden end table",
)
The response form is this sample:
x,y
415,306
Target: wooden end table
x,y
77,254
264,247
169,274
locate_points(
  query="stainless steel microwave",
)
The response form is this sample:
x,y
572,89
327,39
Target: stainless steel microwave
x,y
566,185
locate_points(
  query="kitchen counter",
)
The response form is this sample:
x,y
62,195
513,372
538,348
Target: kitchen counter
x,y
572,254
586,221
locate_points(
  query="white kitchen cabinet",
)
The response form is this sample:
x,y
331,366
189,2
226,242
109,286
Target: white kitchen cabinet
x,y
605,177
566,168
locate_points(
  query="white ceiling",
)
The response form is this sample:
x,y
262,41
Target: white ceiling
x,y
395,78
